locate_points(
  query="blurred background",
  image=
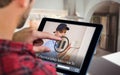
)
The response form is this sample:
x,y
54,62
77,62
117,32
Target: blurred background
x,y
105,12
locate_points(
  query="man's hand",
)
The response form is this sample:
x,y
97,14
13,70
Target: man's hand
x,y
32,36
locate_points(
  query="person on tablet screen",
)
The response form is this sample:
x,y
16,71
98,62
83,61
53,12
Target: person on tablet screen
x,y
55,49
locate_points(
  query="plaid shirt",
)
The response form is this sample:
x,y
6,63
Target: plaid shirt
x,y
19,59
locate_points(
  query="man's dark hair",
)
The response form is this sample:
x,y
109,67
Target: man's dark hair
x,y
4,3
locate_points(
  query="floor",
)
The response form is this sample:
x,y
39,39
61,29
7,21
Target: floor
x,y
101,52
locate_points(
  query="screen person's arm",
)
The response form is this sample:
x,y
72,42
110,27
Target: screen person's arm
x,y
60,55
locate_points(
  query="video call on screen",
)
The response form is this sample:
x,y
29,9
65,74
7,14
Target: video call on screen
x,y
78,38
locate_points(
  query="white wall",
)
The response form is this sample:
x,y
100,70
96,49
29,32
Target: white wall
x,y
80,7
91,7
49,4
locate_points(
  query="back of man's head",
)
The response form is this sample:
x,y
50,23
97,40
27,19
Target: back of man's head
x,y
13,14
4,3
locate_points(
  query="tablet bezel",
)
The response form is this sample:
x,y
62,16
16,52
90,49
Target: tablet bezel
x,y
92,45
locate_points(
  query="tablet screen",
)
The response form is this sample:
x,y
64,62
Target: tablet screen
x,y
68,54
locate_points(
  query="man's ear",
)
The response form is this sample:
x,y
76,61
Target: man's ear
x,y
23,3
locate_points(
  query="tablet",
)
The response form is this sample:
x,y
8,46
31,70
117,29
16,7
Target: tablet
x,y
73,53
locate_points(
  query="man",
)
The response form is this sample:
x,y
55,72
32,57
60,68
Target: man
x,y
18,58
60,32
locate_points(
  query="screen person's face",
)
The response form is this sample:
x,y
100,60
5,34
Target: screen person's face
x,y
60,33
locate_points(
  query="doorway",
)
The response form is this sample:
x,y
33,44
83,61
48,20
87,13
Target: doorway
x,y
107,15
